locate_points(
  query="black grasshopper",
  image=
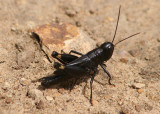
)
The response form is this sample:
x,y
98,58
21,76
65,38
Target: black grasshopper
x,y
72,66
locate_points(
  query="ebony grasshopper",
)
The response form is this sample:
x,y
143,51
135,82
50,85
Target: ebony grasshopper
x,y
72,66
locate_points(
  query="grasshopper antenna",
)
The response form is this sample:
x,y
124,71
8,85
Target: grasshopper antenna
x,y
127,38
117,24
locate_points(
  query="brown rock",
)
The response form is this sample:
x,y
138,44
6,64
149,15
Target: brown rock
x,y
106,96
110,19
70,12
124,60
134,53
2,96
133,62
8,100
40,104
124,110
138,108
57,37
95,102
55,94
139,91
91,11
78,24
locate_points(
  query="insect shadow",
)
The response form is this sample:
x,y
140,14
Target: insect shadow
x,y
81,68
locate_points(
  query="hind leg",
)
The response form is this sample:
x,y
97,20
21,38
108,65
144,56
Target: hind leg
x,y
63,58
51,80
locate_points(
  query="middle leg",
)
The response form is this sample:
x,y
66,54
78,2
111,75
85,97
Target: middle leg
x,y
91,82
78,53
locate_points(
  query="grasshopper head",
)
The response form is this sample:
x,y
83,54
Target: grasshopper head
x,y
108,49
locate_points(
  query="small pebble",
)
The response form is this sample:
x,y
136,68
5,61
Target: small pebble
x,y
138,80
56,94
106,96
95,102
24,82
120,102
138,85
8,100
146,58
49,98
40,104
122,53
35,94
6,86
124,60
142,42
2,97
70,13
110,19
143,72
134,53
2,61
91,11
61,90
13,29
133,62
78,24
69,100
158,39
139,91
138,108
125,110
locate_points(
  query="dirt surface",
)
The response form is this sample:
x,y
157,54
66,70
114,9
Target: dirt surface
x,y
134,66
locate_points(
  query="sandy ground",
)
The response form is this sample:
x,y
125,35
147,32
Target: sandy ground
x,y
134,62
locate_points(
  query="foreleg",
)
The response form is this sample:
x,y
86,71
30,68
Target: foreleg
x,y
109,81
